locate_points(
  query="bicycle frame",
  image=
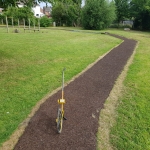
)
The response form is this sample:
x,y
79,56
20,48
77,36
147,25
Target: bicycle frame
x,y
60,115
62,100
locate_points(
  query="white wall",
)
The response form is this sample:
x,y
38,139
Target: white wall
x,y
37,12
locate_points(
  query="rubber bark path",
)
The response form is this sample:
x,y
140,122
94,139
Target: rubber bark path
x,y
85,97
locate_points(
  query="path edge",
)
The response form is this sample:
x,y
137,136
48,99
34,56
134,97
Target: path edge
x,y
108,114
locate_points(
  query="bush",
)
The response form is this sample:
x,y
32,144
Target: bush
x,y
98,14
45,21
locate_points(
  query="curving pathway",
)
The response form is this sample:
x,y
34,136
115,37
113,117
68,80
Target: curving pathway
x,y
85,97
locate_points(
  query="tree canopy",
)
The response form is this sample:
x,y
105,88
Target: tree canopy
x,y
66,12
136,10
98,14
122,9
140,11
13,3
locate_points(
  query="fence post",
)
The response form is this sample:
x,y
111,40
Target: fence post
x,y
34,25
24,24
2,21
18,24
39,23
29,23
12,20
7,25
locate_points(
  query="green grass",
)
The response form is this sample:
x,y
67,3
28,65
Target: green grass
x,y
31,65
132,128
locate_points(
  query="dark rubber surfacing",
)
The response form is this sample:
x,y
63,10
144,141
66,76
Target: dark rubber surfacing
x,y
85,97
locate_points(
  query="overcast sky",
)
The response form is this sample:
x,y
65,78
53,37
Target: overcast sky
x,y
44,4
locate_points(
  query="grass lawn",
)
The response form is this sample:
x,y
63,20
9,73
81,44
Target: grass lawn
x,y
31,65
132,128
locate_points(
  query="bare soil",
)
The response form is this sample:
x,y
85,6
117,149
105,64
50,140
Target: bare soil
x,y
85,97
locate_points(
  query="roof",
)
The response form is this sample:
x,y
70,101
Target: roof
x,y
47,9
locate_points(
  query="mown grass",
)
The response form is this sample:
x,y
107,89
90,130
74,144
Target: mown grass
x,y
31,65
132,128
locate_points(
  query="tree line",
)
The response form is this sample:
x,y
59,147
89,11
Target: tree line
x,y
95,14
136,10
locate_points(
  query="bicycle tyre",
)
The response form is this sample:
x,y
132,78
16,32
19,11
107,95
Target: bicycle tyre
x,y
59,120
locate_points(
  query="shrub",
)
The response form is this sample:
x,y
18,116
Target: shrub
x,y
45,21
98,14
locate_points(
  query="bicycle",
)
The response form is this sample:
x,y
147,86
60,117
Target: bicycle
x,y
61,102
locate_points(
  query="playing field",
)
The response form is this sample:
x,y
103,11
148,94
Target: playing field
x,y
31,64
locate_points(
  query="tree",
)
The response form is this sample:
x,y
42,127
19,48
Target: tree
x,y
19,13
58,13
45,21
66,12
98,14
72,14
13,3
140,11
122,9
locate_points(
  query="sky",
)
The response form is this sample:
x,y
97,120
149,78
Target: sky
x,y
44,4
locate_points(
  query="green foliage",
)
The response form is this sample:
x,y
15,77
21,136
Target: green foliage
x,y
45,21
142,21
1,17
67,12
72,13
13,3
98,14
122,9
19,13
25,12
54,2
140,10
58,13
6,3
137,10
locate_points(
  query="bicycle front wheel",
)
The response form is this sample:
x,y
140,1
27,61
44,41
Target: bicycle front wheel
x,y
59,120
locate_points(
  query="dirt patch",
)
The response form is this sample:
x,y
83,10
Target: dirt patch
x,y
85,97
